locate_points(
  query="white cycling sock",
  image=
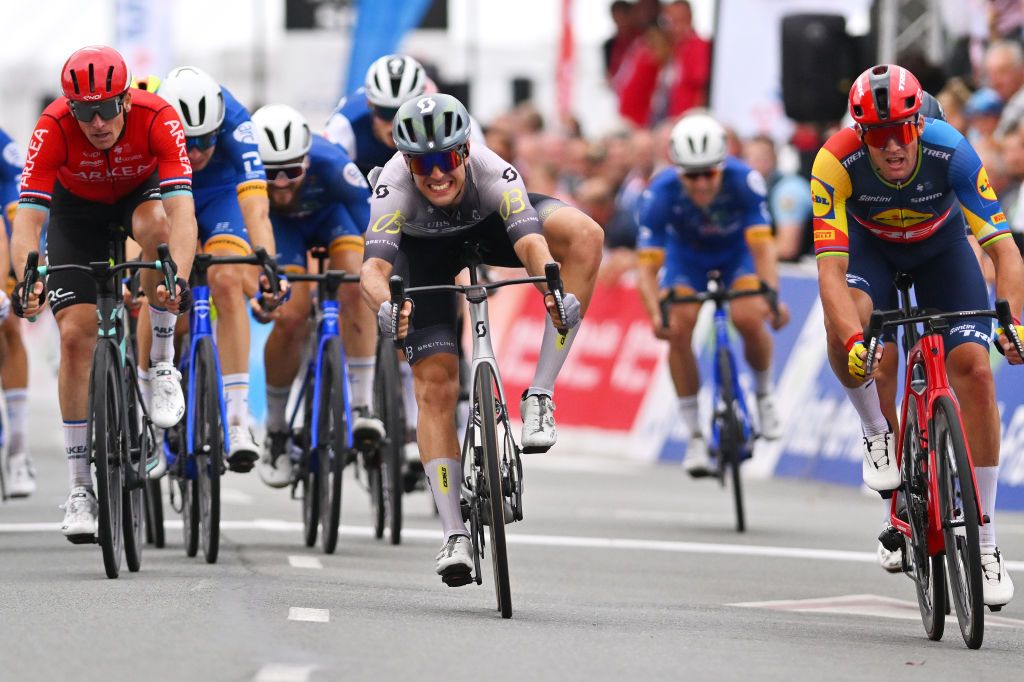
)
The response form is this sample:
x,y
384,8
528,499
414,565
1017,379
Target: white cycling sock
x,y
689,412
554,349
277,406
144,386
412,410
869,407
17,419
77,450
162,322
360,380
763,381
236,398
988,483
445,476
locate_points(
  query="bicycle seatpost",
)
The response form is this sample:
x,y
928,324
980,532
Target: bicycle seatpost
x,y
397,285
872,336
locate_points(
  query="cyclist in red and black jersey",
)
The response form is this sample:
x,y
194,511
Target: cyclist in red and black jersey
x,y
104,161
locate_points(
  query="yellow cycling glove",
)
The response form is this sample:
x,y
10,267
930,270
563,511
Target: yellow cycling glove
x,y
855,361
1001,332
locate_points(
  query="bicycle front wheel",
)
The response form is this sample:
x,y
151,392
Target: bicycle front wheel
x,y
208,440
135,474
388,402
484,399
730,435
958,509
332,428
155,514
107,444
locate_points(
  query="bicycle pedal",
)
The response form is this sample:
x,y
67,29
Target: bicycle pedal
x,y
535,449
457,578
83,539
242,462
996,609
985,518
891,539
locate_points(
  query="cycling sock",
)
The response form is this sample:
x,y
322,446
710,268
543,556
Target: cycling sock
x,y
77,450
236,398
144,387
360,380
763,381
17,418
869,407
445,476
553,351
277,405
163,335
988,479
689,411
412,410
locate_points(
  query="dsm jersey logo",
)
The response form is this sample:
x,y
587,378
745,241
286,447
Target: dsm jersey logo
x,y
985,190
821,198
896,217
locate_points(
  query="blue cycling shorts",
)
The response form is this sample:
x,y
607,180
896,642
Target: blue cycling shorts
x,y
221,225
331,226
692,272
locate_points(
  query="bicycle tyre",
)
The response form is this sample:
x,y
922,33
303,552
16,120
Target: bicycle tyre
x,y
929,571
332,427
208,440
495,496
105,438
134,497
378,505
731,435
958,504
309,472
155,514
390,409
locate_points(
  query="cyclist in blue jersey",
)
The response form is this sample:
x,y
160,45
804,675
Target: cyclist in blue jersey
x,y
20,474
317,198
708,213
233,212
891,194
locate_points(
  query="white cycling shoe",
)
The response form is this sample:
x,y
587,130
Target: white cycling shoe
x,y
891,562
275,465
697,461
80,513
996,586
455,561
538,412
879,466
242,449
167,404
768,417
21,475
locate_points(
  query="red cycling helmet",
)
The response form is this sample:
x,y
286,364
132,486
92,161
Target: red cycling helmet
x,y
94,73
884,94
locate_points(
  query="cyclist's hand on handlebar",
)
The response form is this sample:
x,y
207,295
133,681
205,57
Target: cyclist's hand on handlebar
x,y
857,354
1005,346
781,317
570,304
265,303
660,332
182,302
36,299
385,319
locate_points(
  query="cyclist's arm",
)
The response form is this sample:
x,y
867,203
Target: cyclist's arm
x,y
256,213
181,214
1009,273
648,264
47,150
766,256
25,233
373,282
533,252
650,246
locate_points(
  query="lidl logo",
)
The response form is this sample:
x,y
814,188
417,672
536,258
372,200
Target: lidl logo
x,y
984,186
821,196
901,217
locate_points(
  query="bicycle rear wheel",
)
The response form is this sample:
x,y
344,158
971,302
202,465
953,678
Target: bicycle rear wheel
x,y
388,403
958,509
107,444
134,501
208,441
309,469
155,514
730,435
332,429
484,398
929,572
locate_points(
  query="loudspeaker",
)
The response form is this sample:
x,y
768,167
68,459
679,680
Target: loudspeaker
x,y
818,67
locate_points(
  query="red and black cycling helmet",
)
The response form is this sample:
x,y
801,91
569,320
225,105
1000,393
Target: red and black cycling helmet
x,y
94,73
884,94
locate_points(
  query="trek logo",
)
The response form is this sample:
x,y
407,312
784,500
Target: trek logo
x,y
852,158
969,331
945,156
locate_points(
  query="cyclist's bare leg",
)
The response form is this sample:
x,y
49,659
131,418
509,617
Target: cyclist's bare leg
x,y
970,376
681,361
15,384
750,316
281,354
576,242
228,295
77,327
358,328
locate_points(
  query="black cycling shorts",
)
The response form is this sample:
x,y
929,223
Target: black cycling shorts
x,y
80,232
425,261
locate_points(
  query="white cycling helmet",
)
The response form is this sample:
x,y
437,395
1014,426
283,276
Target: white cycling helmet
x,y
197,98
698,141
281,133
394,79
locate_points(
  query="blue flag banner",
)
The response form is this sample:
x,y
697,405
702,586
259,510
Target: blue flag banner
x,y
380,27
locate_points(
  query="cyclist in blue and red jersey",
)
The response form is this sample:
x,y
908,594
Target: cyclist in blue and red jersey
x,y
891,194
708,213
104,160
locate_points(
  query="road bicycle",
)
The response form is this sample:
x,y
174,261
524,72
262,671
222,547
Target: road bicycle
x,y
324,442
491,465
937,510
119,434
732,433
386,480
195,446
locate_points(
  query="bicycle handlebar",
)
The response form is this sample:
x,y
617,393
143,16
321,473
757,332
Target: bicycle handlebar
x,y
330,275
719,296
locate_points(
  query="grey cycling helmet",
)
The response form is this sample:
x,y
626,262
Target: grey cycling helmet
x,y
931,108
432,123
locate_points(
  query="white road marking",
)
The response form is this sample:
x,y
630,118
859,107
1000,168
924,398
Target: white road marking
x,y
284,672
235,496
868,605
579,542
301,561
309,615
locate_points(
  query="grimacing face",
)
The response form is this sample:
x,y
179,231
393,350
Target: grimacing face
x,y
895,162
442,189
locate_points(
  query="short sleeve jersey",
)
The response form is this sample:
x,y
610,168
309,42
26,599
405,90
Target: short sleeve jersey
x,y
236,159
849,195
673,226
493,186
11,162
153,140
351,127
331,179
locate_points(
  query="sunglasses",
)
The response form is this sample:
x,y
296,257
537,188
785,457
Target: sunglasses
x,y
424,164
108,109
385,113
903,133
279,174
707,174
201,142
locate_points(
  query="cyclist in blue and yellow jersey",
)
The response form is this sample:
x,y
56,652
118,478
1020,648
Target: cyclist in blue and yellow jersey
x,y
891,194
708,213
20,474
233,212
317,198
